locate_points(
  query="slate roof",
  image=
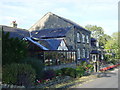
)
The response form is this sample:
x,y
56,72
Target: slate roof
x,y
15,32
36,43
93,40
95,52
51,44
50,33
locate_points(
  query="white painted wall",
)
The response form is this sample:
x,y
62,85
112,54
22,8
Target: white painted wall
x,y
62,46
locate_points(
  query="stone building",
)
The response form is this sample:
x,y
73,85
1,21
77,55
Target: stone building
x,y
52,26
95,54
67,42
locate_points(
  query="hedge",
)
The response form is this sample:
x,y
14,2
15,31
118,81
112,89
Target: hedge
x,y
18,74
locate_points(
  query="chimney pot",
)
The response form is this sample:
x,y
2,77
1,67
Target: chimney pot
x,y
14,24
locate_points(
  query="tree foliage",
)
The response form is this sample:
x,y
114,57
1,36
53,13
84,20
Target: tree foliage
x,y
13,49
113,44
103,40
98,33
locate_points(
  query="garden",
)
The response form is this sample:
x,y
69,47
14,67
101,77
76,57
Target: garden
x,y
20,70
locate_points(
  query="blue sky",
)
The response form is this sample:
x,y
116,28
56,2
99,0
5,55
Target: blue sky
x,y
103,13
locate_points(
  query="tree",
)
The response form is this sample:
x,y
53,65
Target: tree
x,y
113,44
13,49
98,33
103,40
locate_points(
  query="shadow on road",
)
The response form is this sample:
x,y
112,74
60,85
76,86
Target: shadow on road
x,y
105,74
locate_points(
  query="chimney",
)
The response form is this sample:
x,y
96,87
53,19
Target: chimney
x,y
14,24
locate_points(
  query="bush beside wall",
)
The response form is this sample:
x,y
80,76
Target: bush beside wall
x,y
19,74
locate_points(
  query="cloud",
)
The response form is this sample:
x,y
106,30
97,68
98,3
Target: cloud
x,y
27,12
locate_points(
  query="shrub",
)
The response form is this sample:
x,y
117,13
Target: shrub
x,y
36,64
49,74
63,71
69,72
13,49
18,74
58,72
80,70
89,67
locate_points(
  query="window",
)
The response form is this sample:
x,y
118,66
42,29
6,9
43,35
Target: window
x,y
83,38
87,38
94,58
78,37
87,53
78,51
83,53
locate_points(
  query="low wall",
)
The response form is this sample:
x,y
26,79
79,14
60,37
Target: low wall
x,y
71,65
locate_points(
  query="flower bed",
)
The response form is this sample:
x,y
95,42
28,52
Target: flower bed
x,y
51,83
109,67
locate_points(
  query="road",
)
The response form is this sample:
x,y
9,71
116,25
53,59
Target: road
x,y
110,80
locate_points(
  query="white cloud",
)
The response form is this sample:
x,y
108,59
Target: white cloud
x,y
27,12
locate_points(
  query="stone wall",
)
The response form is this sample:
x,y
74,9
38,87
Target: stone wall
x,y
71,65
50,20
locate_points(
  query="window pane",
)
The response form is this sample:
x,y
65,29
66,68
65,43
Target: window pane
x,y
83,53
87,38
78,51
78,37
83,38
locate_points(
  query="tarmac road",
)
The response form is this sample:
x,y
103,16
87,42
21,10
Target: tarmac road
x,y
110,80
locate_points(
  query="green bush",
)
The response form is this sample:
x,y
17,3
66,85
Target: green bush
x,y
90,67
58,72
36,64
80,70
18,74
69,72
13,49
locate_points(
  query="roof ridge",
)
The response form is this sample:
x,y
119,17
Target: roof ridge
x,y
13,27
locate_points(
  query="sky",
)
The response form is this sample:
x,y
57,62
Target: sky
x,y
103,13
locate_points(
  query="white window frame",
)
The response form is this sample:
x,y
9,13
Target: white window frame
x,y
78,37
83,53
78,53
87,38
83,38
87,53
